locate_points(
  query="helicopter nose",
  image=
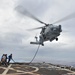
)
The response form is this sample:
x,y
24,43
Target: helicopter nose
x,y
60,29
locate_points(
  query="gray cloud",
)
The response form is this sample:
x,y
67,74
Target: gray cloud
x,y
15,39
35,6
11,40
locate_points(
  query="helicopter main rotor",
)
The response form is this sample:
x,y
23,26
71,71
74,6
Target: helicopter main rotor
x,y
25,12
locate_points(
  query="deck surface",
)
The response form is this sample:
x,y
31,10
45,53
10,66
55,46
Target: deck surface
x,y
34,69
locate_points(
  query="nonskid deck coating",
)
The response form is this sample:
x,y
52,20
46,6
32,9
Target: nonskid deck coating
x,y
22,69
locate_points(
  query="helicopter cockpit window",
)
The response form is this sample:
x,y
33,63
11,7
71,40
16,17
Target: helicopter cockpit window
x,y
43,29
42,32
53,29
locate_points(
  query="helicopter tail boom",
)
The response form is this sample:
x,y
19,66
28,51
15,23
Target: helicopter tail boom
x,y
37,43
34,42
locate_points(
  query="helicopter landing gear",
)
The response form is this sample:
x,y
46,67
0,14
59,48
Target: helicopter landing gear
x,y
56,39
42,44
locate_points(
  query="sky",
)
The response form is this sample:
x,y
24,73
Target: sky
x,y
15,39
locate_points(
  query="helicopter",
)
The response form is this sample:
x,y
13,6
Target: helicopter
x,y
49,32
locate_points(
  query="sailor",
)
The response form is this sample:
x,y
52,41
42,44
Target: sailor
x,y
4,59
9,58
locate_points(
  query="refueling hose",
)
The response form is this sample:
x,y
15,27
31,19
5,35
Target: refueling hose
x,y
35,54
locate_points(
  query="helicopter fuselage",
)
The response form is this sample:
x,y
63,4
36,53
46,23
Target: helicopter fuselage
x,y
48,33
51,32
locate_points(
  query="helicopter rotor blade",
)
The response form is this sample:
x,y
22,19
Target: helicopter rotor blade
x,y
68,17
23,11
36,28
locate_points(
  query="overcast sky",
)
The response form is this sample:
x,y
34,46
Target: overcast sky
x,y
15,39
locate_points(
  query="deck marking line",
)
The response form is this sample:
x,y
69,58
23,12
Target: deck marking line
x,y
4,73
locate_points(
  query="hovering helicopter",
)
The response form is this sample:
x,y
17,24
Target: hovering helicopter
x,y
49,32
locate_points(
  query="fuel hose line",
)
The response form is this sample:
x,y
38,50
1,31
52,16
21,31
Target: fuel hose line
x,y
35,54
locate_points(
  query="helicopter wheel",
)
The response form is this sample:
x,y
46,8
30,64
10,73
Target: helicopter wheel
x,y
56,39
42,44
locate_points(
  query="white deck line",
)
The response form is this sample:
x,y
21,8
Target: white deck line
x,y
4,73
